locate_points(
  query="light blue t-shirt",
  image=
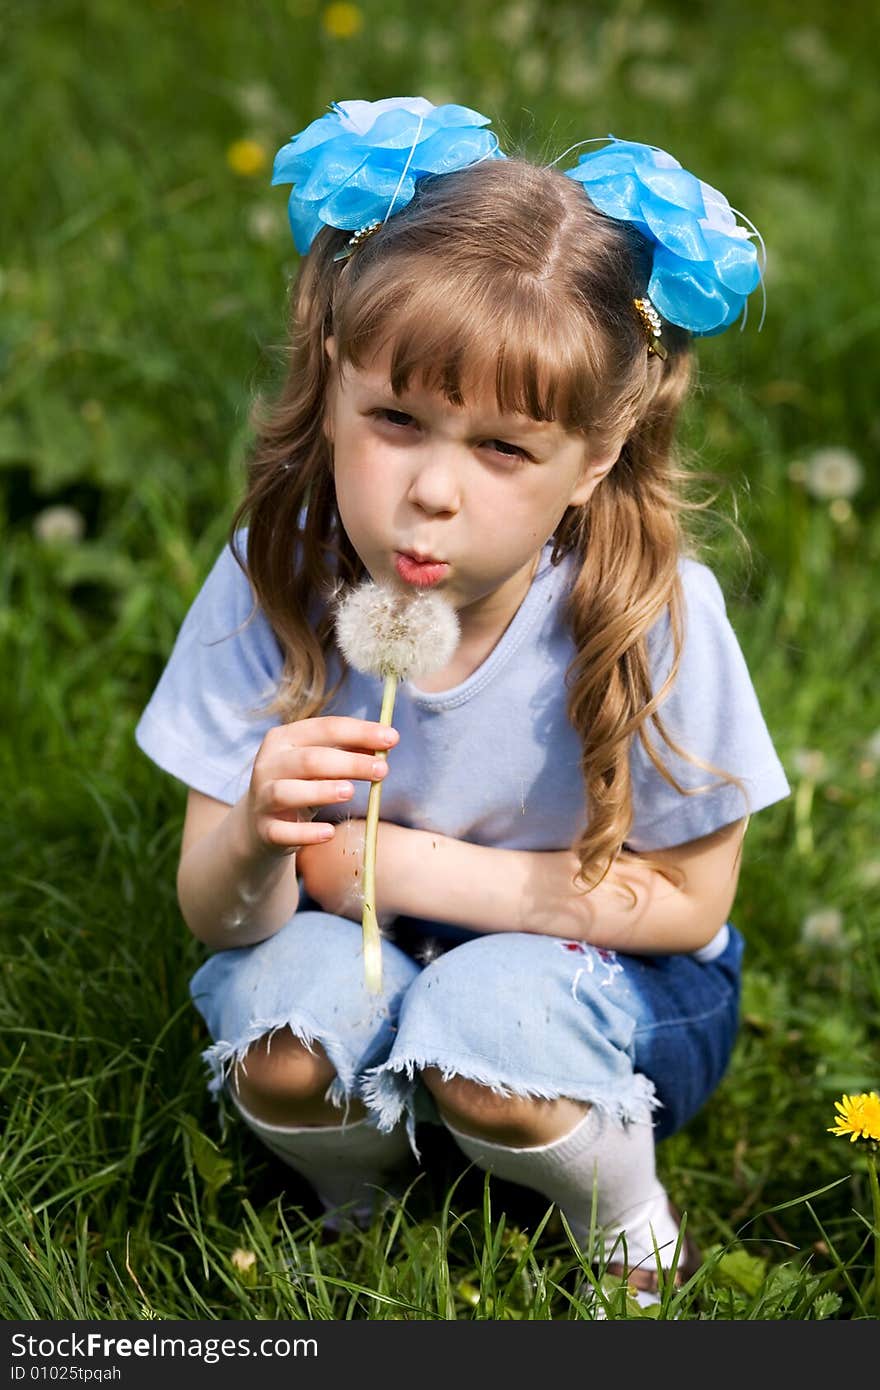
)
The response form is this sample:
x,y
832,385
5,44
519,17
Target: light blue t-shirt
x,y
493,761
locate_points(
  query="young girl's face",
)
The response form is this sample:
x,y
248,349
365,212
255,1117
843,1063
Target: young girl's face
x,y
463,485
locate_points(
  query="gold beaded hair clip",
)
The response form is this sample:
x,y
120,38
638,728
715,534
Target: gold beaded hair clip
x,y
355,240
653,326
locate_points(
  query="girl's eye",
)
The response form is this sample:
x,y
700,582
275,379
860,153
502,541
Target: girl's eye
x,y
401,420
509,451
399,417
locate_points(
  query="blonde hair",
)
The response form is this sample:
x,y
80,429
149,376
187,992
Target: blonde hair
x,y
503,268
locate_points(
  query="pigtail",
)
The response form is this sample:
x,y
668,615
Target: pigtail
x,y
629,538
297,552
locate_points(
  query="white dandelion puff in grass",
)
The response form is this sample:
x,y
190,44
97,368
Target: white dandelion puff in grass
x,y
823,928
868,873
832,473
382,632
244,1261
257,101
811,763
840,510
263,222
59,525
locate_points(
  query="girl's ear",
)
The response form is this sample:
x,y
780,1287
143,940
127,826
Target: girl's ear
x,y
326,423
594,471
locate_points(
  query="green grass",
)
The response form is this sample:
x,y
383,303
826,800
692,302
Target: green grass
x,y
142,291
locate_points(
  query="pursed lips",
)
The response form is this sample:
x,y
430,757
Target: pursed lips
x,y
422,559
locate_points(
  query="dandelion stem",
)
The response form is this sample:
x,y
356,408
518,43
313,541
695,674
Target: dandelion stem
x,y
803,804
875,1201
370,921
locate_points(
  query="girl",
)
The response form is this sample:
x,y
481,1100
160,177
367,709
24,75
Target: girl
x,y
487,360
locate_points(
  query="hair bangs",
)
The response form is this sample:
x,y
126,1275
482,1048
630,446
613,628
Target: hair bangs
x,y
461,332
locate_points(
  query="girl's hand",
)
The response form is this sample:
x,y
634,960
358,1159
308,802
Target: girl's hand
x,y
332,873
303,766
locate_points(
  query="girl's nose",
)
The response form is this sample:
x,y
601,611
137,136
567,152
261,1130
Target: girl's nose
x,y
434,485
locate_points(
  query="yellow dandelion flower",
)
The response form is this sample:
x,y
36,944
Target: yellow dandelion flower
x,y
247,157
342,20
858,1117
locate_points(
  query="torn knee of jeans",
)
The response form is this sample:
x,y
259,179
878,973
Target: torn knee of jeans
x,y
388,1090
226,1058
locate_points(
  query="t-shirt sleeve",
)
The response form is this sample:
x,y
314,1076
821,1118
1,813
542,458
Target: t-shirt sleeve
x,y
713,712
204,723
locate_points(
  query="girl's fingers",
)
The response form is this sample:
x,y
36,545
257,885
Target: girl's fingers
x,y
281,834
325,764
290,798
338,731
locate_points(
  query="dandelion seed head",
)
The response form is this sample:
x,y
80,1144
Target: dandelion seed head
x,y
263,222
382,632
257,100
810,762
531,69
59,525
869,873
833,473
513,23
653,35
242,1260
393,37
662,82
574,76
823,928
809,47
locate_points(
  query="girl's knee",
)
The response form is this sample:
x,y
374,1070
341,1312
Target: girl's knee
x,y
459,1097
279,1064
281,1080
501,1118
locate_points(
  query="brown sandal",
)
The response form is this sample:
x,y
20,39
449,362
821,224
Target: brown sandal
x,y
646,1280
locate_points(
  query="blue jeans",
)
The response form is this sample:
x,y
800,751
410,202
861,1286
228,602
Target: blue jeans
x,y
637,1036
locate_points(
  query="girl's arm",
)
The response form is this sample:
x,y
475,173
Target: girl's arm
x,y
231,892
531,891
435,877
518,890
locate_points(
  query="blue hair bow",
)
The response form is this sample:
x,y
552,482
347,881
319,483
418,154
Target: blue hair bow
x,y
360,163
705,265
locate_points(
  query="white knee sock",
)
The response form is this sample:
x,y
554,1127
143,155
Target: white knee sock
x,y
629,1196
345,1164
